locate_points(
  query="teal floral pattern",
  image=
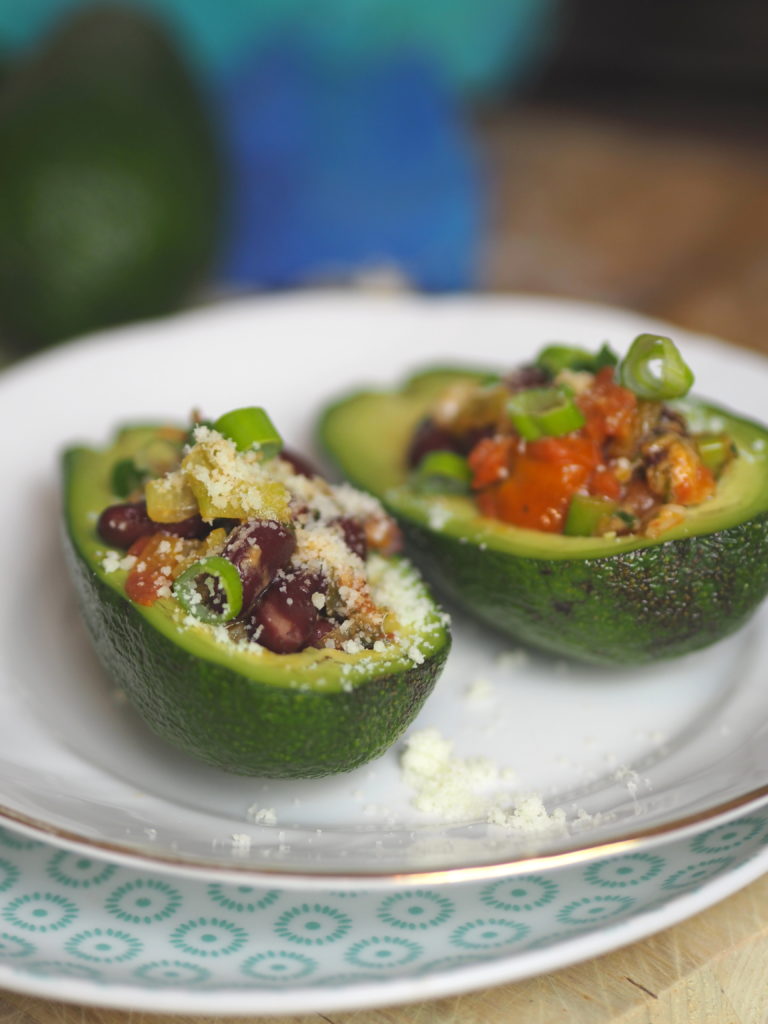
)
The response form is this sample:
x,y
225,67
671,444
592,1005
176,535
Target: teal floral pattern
x,y
242,898
9,874
40,912
594,909
312,925
93,927
520,894
416,910
383,952
624,872
488,933
143,901
78,872
694,875
209,937
104,946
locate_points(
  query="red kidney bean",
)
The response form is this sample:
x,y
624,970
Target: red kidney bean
x,y
468,440
258,549
319,632
353,532
121,525
299,464
523,377
285,618
430,437
193,528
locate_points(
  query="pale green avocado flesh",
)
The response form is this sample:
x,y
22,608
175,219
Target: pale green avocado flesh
x,y
613,601
241,707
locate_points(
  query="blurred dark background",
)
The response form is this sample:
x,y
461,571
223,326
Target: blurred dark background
x,y
165,153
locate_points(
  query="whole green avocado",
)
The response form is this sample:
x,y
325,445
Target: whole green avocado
x,y
109,180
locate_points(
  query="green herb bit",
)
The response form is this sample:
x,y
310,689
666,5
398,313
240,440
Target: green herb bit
x,y
556,358
250,427
585,514
126,478
654,369
211,590
544,412
442,472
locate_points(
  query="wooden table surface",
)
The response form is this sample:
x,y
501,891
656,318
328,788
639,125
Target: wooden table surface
x,y
672,220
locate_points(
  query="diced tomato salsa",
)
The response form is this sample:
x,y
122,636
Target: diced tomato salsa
x,y
637,455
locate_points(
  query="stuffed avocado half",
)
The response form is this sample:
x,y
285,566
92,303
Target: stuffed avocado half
x,y
625,559
257,617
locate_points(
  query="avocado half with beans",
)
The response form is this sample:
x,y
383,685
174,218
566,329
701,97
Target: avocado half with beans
x,y
215,692
622,597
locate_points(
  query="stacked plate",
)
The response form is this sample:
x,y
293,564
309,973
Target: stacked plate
x,y
132,876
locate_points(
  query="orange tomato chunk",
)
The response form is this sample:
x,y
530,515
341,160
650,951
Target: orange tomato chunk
x,y
157,564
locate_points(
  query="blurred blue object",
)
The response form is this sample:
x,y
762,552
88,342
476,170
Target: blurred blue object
x,y
474,44
330,174
341,125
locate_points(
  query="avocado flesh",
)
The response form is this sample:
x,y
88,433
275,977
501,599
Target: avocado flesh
x,y
627,600
241,708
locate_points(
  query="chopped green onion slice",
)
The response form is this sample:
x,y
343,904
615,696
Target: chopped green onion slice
x,y
544,412
126,477
211,590
654,369
442,472
715,451
555,358
250,427
585,514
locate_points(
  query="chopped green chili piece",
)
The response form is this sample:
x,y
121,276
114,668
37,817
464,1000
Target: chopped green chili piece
x,y
715,451
250,427
211,590
126,477
585,514
544,412
442,472
654,369
555,358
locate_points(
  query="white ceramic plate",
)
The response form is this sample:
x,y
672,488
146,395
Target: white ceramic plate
x,y
630,756
87,930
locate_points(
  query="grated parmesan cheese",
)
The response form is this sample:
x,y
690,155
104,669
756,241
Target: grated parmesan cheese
x,y
261,815
457,789
370,605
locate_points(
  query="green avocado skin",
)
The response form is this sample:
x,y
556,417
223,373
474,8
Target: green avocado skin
x,y
233,721
642,606
248,722
655,600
